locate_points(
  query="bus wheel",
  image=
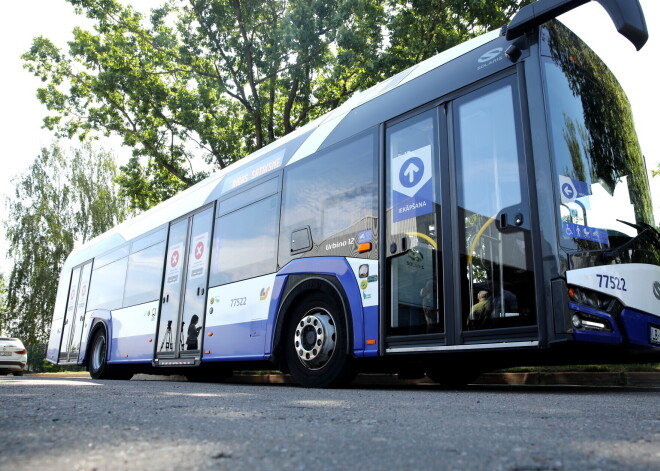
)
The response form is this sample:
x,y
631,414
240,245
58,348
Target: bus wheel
x,y
316,345
97,364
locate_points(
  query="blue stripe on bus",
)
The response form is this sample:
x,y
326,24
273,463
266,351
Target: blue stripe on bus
x,y
240,341
583,335
634,324
275,299
253,340
371,330
137,347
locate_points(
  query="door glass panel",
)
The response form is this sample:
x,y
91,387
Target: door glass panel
x,y
79,316
70,315
196,277
497,288
169,330
413,213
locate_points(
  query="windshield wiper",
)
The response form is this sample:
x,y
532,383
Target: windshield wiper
x,y
644,232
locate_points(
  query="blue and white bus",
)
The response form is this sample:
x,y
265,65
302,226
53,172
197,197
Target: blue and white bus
x,y
487,207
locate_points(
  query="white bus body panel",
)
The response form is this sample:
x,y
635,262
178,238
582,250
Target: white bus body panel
x,y
636,285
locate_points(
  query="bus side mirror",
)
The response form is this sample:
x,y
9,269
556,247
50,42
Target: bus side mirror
x,y
627,16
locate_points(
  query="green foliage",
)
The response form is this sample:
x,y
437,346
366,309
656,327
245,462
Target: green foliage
x,y
423,28
60,201
202,83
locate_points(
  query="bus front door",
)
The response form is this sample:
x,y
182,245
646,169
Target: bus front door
x,y
459,251
413,231
494,285
75,314
185,280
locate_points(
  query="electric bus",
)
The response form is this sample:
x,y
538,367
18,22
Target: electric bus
x,y
485,208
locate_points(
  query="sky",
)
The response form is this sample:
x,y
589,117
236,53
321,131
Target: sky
x,y
20,123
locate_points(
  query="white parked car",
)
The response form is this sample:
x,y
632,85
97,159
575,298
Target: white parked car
x,y
13,356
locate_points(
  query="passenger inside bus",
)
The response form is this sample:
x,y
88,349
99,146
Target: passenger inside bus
x,y
480,312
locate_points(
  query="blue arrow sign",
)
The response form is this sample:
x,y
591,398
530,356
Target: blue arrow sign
x,y
411,172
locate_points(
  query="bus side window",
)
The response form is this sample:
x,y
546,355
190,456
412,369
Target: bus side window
x,y
335,194
145,270
106,289
245,242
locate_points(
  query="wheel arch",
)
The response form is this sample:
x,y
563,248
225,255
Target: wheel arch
x,y
98,320
297,288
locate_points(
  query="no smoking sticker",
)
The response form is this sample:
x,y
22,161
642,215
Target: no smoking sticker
x,y
198,260
199,250
174,269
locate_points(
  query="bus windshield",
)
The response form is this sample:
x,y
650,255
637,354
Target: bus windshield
x,y
600,175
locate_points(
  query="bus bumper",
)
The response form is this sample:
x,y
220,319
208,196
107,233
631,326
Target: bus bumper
x,y
632,328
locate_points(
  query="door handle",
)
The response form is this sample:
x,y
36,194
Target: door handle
x,y
503,221
511,219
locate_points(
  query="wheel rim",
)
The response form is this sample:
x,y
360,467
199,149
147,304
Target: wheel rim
x,y
98,353
315,338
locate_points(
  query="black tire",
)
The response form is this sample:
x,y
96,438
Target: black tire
x,y
316,344
97,360
18,373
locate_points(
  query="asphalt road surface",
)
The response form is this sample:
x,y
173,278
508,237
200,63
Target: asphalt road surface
x,y
83,424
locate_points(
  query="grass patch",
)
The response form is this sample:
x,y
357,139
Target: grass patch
x,y
628,368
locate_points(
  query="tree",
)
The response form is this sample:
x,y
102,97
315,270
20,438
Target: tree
x,y
60,201
422,28
219,79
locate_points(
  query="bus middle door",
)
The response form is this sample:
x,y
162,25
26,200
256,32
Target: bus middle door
x,y
185,281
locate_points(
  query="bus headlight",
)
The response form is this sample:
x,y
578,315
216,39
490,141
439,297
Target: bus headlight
x,y
577,322
592,299
584,321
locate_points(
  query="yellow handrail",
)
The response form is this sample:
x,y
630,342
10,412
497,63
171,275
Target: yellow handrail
x,y
474,242
476,239
425,237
